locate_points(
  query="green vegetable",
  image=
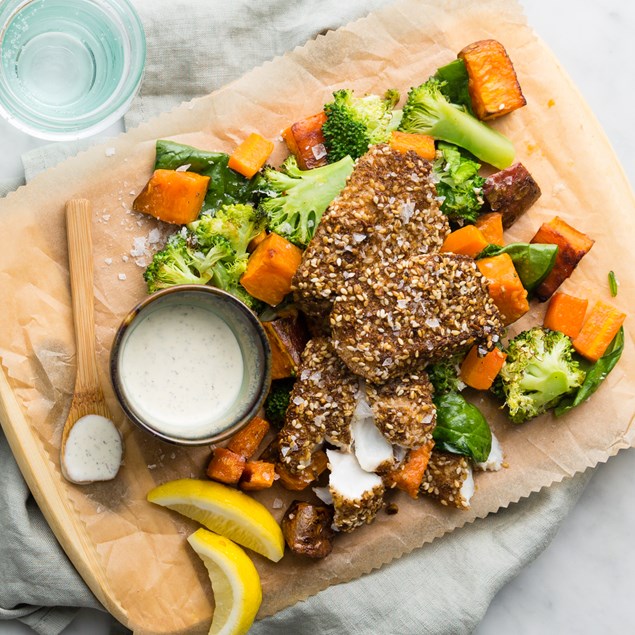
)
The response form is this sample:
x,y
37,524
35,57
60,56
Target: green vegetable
x,y
613,283
532,261
302,197
355,123
444,375
538,372
458,183
596,373
453,83
427,111
277,401
211,250
461,428
238,225
176,263
225,186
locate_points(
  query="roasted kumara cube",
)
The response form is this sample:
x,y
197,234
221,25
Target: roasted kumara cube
x,y
572,246
492,82
287,337
511,192
305,140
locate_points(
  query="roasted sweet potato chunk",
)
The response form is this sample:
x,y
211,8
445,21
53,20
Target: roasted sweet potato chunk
x,y
409,475
257,475
491,226
287,338
226,466
246,441
505,287
173,197
271,268
308,529
300,481
305,140
492,82
511,192
572,246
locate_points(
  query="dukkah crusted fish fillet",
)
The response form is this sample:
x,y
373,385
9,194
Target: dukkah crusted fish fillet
x,y
387,210
321,407
329,403
403,409
391,320
449,479
356,495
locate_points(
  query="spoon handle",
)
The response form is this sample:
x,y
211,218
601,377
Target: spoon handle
x,y
80,254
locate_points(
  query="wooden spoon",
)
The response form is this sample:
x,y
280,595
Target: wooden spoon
x,y
92,451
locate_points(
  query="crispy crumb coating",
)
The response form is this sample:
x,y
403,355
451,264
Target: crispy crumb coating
x,y
350,514
395,319
387,210
321,406
403,409
444,478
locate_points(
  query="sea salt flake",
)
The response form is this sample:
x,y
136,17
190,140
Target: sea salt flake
x,y
108,261
318,151
183,168
110,152
122,276
277,503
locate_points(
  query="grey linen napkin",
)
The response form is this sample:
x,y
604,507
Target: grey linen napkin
x,y
443,588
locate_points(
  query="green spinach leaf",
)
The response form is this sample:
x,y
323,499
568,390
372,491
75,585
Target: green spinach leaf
x,y
225,186
533,261
461,428
595,375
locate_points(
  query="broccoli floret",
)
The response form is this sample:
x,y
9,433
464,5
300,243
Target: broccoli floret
x,y
176,263
428,112
459,183
277,401
237,223
212,249
355,123
444,375
539,370
303,197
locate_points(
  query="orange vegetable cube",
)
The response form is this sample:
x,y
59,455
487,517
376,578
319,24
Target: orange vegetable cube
x,y
305,140
419,143
491,226
226,466
257,475
573,245
173,197
598,330
409,475
565,314
246,441
250,155
505,287
480,371
492,82
271,268
468,240
300,481
254,242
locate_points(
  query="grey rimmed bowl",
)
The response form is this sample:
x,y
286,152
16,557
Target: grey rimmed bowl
x,y
253,344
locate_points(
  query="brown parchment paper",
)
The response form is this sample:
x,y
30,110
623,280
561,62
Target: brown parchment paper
x,y
134,555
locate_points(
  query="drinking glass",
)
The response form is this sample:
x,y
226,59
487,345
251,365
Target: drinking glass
x,y
68,68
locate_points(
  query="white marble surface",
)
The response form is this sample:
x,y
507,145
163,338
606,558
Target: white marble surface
x,y
583,583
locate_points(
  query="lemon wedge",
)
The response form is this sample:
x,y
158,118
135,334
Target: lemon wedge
x,y
235,582
224,510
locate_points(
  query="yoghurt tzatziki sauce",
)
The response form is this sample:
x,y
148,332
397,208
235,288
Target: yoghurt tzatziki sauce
x,y
182,369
